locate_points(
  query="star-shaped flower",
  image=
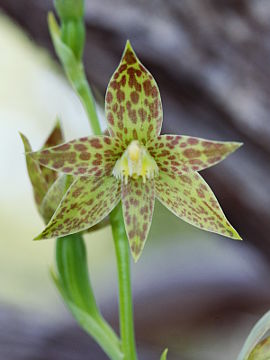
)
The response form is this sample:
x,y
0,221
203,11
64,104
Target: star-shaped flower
x,y
135,164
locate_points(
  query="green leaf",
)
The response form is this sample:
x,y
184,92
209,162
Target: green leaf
x,y
257,333
164,355
138,200
40,187
87,202
91,325
190,198
94,155
183,153
73,271
132,103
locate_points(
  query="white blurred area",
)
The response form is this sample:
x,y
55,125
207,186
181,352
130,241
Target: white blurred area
x,y
33,91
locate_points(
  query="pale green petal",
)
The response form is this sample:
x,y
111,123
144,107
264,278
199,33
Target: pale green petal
x,y
256,335
177,153
94,155
261,351
132,103
40,187
189,197
138,205
88,201
53,197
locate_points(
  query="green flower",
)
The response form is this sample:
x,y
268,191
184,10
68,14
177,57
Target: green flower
x,y
48,187
135,164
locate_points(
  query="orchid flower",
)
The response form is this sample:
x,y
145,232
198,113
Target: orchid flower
x,y
48,187
135,164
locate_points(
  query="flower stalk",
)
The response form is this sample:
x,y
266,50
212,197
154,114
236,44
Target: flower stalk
x,y
125,293
74,70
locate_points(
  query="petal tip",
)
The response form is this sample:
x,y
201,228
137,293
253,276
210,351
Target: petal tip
x,y
233,234
26,144
237,145
38,237
136,250
136,257
237,236
129,47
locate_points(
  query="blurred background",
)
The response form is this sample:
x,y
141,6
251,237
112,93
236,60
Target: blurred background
x,y
196,293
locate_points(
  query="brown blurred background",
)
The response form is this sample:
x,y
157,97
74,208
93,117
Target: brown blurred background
x,y
197,293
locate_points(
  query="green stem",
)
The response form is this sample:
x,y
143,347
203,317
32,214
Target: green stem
x,y
120,241
125,293
86,96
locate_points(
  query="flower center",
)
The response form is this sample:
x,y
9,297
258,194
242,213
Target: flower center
x,y
135,161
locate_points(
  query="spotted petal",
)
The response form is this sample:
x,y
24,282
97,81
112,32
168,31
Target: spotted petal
x,y
189,197
53,197
38,182
177,154
132,103
88,201
95,155
138,206
55,138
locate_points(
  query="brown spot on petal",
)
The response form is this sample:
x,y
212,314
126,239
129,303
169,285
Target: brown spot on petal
x,y
193,141
129,58
191,153
96,143
80,147
120,95
63,147
109,97
85,156
134,96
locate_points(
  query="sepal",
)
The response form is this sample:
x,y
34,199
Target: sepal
x,y
254,347
40,187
